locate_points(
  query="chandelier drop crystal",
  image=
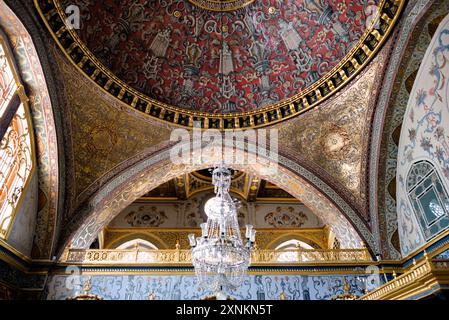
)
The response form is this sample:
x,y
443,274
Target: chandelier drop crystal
x,y
219,256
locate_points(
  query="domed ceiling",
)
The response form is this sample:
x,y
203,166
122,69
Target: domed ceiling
x,y
229,57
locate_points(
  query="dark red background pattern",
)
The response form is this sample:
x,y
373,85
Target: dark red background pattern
x,y
120,33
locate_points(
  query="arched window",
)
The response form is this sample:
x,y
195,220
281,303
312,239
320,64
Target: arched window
x,y
290,248
16,156
293,244
137,243
429,198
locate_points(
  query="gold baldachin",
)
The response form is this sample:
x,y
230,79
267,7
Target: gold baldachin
x,y
78,53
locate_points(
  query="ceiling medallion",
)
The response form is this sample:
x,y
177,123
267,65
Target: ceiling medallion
x,y
221,5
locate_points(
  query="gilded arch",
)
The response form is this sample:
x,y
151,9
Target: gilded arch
x,y
405,57
27,46
121,191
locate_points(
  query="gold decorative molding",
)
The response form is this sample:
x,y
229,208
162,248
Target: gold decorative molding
x,y
178,257
196,183
221,5
76,51
422,278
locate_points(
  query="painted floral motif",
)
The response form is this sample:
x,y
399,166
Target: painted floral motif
x,y
286,217
267,287
146,217
221,62
425,134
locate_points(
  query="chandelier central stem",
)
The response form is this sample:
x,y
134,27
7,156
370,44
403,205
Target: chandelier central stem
x,y
219,256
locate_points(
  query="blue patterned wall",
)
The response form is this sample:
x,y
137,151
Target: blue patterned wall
x,y
443,255
184,287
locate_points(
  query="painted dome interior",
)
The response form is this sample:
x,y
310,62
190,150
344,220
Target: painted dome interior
x,y
222,61
331,115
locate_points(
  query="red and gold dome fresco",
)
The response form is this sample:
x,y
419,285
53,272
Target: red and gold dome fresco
x,y
222,56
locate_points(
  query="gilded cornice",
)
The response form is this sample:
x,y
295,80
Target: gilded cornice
x,y
222,5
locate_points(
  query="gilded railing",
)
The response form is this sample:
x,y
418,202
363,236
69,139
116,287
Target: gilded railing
x,y
419,278
183,257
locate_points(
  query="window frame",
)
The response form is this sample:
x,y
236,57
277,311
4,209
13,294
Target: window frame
x,y
18,99
418,190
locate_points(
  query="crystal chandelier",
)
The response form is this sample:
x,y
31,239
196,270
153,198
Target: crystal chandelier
x,y
219,256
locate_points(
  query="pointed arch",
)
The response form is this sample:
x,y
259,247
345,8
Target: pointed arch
x,y
422,176
17,156
30,54
129,185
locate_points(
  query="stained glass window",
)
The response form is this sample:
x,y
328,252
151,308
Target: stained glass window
x,y
8,84
16,142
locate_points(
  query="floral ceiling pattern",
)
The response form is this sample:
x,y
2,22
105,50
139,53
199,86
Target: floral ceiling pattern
x,y
222,62
336,142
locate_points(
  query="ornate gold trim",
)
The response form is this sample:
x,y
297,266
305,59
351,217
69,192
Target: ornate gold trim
x,y
311,271
86,295
420,278
178,257
20,91
370,43
423,248
279,200
222,5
